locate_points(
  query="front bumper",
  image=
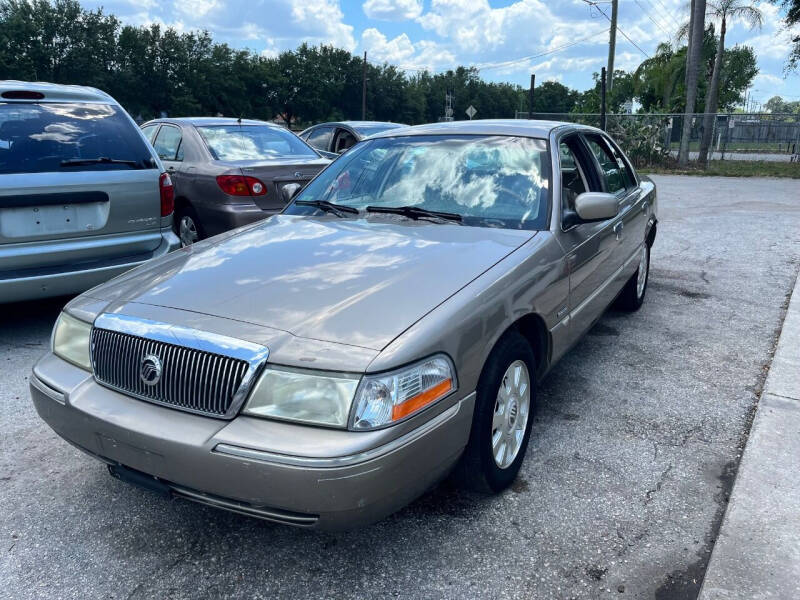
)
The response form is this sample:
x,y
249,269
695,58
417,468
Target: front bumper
x,y
234,465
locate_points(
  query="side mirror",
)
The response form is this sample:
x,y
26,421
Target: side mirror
x,y
596,206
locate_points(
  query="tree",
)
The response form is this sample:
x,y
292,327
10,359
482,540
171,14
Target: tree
x,y
792,17
776,104
692,67
722,10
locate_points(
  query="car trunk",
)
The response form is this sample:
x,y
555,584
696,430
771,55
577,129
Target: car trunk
x,y
278,173
68,213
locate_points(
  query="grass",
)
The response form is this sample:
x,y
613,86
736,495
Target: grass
x,y
732,168
743,147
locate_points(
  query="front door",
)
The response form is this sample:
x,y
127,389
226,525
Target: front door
x,y
590,247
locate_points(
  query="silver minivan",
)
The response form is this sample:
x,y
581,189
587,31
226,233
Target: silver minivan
x,y
83,197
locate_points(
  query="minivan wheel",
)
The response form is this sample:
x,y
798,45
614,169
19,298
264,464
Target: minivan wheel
x,y
631,297
187,227
501,423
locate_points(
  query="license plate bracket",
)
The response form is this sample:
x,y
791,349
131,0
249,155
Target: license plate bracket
x,y
139,479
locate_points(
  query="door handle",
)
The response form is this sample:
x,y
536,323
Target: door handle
x,y
618,230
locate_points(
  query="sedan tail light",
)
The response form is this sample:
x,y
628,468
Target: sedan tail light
x,y
241,185
167,194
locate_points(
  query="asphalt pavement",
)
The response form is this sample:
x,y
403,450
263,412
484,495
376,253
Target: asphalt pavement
x,y
635,447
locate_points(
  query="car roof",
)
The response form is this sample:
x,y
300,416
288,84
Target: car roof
x,y
54,92
212,121
518,127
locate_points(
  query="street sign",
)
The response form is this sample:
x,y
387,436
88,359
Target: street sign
x,y
471,111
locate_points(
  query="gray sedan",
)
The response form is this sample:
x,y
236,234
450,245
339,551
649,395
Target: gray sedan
x,y
338,137
229,172
325,367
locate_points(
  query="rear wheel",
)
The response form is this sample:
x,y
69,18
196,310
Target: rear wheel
x,y
501,423
187,226
632,296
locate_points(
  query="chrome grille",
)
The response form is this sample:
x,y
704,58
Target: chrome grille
x,y
191,379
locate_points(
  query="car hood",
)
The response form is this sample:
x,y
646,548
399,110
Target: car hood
x,y
350,281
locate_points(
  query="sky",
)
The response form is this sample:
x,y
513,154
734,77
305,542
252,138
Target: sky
x,y
561,40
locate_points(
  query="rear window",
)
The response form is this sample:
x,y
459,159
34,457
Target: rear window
x,y
252,142
49,137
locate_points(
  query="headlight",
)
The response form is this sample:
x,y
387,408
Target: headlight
x,y
71,340
298,395
390,397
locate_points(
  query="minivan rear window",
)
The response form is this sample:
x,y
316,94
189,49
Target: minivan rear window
x,y
66,137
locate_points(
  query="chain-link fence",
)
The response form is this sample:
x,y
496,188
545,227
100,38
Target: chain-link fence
x,y
654,137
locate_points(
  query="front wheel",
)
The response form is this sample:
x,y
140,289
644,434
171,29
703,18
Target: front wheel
x,y
501,424
631,297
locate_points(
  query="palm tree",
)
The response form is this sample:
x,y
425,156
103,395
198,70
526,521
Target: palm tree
x,y
722,10
692,64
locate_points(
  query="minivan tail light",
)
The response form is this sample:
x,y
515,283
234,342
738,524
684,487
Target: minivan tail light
x,y
167,194
241,185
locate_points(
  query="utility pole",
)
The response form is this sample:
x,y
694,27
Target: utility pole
x,y
530,96
603,98
612,45
364,89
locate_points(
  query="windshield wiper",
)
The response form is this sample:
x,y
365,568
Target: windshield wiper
x,y
337,209
415,212
100,160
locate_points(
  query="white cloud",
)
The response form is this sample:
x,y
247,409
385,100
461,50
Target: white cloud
x,y
401,52
197,8
392,10
323,18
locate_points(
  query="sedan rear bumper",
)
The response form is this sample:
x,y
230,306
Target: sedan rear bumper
x,y
218,218
200,458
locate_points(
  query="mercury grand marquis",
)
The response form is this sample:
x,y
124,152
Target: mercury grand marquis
x,y
328,365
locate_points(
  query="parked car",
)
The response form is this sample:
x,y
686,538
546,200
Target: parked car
x,y
82,196
229,172
336,138
325,367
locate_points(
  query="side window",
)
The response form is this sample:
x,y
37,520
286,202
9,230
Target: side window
x,y
320,138
573,174
344,141
625,168
150,131
612,173
167,142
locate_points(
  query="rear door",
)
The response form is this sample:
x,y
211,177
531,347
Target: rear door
x,y
168,144
74,171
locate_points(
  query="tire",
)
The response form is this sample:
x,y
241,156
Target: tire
x,y
479,468
632,295
186,216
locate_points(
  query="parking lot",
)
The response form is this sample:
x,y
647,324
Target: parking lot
x,y
634,450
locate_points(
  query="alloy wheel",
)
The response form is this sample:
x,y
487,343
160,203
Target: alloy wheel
x,y
511,411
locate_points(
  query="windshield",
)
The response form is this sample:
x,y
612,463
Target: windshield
x,y
490,181
252,142
38,138
368,130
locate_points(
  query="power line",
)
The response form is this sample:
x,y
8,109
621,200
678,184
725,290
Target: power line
x,y
490,66
625,35
507,63
667,12
656,23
